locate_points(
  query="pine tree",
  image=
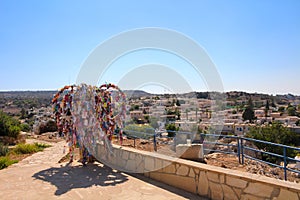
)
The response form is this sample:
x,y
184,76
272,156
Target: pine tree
x,y
248,114
267,108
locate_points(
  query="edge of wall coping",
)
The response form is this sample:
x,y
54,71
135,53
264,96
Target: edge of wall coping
x,y
229,172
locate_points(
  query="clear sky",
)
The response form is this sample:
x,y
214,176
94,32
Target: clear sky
x,y
255,44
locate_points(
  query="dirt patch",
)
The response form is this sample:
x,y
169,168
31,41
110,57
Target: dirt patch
x,y
48,137
140,144
251,166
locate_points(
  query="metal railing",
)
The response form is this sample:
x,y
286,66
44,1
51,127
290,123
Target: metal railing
x,y
211,142
149,135
283,156
241,146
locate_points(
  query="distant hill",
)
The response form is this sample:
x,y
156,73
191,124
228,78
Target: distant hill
x,y
136,93
27,94
12,102
43,98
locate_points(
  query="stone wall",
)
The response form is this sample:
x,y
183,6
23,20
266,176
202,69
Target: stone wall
x,y
204,180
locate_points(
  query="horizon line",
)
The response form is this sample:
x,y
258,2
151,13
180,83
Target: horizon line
x,y
249,92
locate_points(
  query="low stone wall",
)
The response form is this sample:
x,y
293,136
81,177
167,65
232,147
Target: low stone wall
x,y
204,180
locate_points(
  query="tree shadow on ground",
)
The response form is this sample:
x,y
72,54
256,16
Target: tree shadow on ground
x,y
180,192
66,178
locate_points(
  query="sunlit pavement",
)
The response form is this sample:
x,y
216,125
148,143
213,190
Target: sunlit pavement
x,y
40,176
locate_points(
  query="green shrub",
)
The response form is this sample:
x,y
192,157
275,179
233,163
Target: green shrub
x,y
25,149
3,150
171,129
13,131
29,148
41,146
25,127
5,162
275,133
9,126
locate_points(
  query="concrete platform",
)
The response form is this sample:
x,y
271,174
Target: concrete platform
x,y
40,176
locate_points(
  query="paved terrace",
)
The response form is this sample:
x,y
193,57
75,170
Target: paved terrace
x,y
40,176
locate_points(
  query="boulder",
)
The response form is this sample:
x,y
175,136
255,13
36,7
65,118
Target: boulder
x,y
190,152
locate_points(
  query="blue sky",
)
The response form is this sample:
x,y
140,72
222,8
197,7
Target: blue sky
x,y
255,45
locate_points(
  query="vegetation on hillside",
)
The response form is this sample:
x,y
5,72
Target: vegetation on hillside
x,y
171,129
26,99
275,133
9,126
248,114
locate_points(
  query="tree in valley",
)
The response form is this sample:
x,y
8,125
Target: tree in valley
x,y
275,133
23,113
248,114
267,108
281,109
171,129
291,110
273,103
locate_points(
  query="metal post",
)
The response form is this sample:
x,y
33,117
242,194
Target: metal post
x,y
175,140
238,150
154,142
285,163
242,151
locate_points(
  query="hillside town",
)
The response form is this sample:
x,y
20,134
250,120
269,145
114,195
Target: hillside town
x,y
149,100
192,113
188,112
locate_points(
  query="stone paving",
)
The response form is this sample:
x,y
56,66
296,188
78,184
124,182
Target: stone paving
x,y
40,176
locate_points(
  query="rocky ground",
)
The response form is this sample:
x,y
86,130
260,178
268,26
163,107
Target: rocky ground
x,y
251,166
